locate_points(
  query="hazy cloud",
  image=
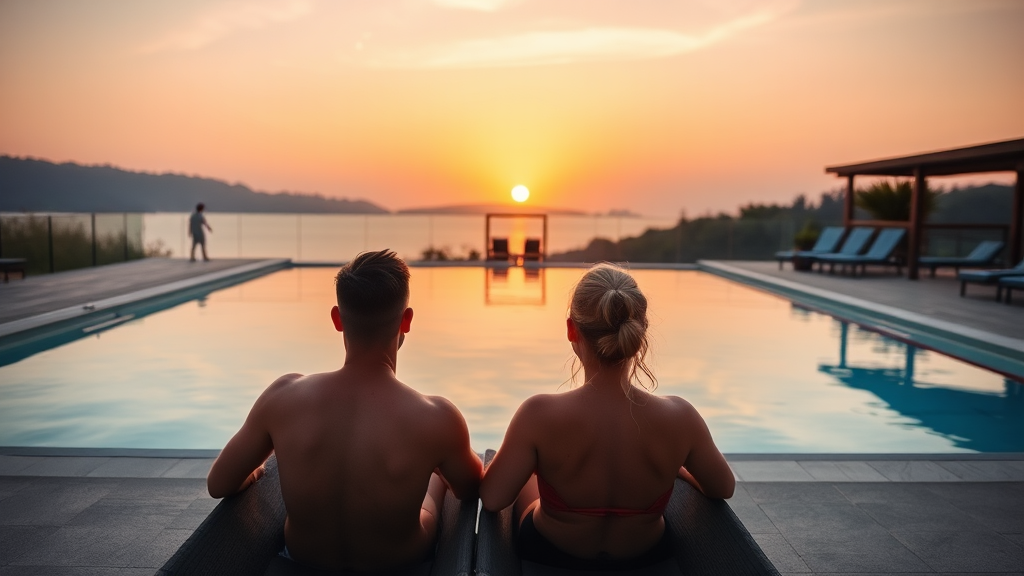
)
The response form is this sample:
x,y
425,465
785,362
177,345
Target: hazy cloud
x,y
225,18
568,46
481,5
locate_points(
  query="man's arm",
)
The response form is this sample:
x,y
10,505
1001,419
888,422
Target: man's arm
x,y
461,467
240,463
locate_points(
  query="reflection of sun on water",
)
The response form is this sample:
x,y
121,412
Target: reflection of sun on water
x,y
520,193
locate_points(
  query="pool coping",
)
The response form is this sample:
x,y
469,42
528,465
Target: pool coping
x,y
81,312
180,453
999,353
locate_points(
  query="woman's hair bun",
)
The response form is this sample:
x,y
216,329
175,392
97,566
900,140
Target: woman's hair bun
x,y
611,312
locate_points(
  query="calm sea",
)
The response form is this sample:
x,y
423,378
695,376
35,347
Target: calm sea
x,y
339,237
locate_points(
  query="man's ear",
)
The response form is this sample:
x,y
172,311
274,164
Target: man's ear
x,y
406,320
336,318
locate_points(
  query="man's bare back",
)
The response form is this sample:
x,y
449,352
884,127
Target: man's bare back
x,y
356,451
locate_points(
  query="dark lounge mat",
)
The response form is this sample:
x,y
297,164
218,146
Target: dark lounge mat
x,y
244,533
707,539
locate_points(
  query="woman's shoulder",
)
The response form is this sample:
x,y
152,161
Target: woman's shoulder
x,y
675,407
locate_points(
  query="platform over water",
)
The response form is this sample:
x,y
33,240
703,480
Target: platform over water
x,y
937,298
46,293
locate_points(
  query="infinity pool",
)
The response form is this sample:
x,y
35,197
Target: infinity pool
x,y
767,376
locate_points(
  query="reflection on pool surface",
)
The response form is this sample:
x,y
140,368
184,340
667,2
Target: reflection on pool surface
x,y
767,376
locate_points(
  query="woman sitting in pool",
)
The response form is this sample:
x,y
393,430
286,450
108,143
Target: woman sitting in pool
x,y
591,470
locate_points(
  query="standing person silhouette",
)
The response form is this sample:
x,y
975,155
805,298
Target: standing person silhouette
x,y
196,222
590,471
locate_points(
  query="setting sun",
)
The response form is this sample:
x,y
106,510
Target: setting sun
x,y
520,193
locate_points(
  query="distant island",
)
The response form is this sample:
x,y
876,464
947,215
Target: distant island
x,y
31,185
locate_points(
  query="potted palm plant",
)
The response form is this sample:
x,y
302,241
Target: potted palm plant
x,y
805,239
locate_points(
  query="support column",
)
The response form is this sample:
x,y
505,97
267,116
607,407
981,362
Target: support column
x,y
848,202
916,218
1016,219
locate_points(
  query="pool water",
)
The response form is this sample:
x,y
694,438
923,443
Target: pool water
x,y
767,376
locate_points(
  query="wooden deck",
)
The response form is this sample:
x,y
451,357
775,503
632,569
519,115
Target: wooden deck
x,y
938,298
41,294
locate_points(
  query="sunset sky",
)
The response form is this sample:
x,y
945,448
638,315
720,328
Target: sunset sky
x,y
651,105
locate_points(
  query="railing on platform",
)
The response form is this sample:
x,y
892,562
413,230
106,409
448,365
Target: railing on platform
x,y
57,242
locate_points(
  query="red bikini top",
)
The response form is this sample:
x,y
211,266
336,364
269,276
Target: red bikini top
x,y
550,500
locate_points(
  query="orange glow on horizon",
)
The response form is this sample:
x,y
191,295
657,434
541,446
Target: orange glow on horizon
x,y
655,109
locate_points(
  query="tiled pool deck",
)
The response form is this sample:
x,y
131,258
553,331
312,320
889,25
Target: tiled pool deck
x,y
125,512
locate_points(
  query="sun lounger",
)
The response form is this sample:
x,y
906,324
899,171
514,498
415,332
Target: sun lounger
x,y
880,253
854,244
988,277
1009,284
9,265
498,250
244,533
984,254
531,250
827,242
707,538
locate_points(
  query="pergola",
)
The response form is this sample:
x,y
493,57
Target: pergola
x,y
1006,156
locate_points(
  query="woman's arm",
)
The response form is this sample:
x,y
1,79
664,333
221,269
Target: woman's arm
x,y
515,461
705,467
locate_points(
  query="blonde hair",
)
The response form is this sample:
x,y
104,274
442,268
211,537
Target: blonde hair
x,y
610,312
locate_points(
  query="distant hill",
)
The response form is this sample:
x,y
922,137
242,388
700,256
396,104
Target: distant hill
x,y
29,185
489,208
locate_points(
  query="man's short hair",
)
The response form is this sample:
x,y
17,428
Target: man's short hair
x,y
200,206
373,292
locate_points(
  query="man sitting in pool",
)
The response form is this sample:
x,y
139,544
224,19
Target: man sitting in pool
x,y
363,458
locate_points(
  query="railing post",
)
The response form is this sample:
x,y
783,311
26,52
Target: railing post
x,y
848,202
93,218
125,236
916,218
49,235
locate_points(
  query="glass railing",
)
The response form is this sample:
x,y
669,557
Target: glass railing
x,y
57,242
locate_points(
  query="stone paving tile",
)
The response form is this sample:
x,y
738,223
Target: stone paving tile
x,y
1000,506
781,554
61,571
73,466
768,492
860,472
136,514
10,485
782,471
984,471
913,471
189,468
154,552
749,513
48,501
883,556
133,468
823,520
823,471
914,517
14,540
964,551
204,503
85,546
14,464
162,489
188,520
